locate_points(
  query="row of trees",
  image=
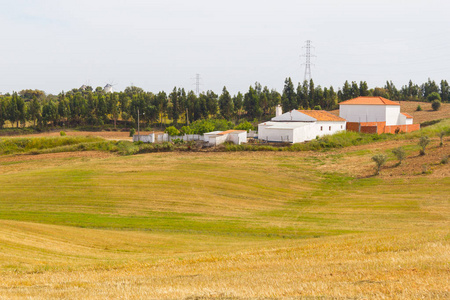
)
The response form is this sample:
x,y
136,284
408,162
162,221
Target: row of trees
x,y
86,106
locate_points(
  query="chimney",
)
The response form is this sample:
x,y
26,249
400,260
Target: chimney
x,y
278,110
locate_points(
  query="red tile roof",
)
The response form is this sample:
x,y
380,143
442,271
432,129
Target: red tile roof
x,y
369,101
407,115
321,115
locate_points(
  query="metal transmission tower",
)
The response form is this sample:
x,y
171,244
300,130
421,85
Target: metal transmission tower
x,y
197,83
308,60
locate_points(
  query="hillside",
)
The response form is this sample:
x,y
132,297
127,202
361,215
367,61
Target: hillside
x,y
188,225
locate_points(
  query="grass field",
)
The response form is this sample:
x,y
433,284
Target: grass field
x,y
226,225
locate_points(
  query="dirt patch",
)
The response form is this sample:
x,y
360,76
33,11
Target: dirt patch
x,y
357,160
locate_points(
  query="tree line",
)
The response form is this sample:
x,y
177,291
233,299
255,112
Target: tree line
x,y
88,107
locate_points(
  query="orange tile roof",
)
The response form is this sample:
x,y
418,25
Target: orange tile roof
x,y
407,115
230,131
321,115
369,101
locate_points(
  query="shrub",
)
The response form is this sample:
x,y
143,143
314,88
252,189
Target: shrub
x,y
380,160
132,132
172,131
441,135
178,141
423,143
317,107
436,104
419,108
246,125
444,160
62,133
186,130
400,154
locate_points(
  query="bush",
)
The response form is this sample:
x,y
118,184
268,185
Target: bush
x,y
186,130
246,125
172,131
419,108
62,133
317,107
400,154
380,160
132,132
435,105
441,135
178,141
444,160
423,143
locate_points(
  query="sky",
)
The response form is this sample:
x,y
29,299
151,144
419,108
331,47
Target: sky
x,y
158,44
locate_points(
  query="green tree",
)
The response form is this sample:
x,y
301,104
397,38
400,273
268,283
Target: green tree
x,y
13,111
251,103
34,110
172,131
238,102
246,125
289,97
433,96
400,154
445,91
3,112
363,89
226,104
423,143
211,103
380,160
346,91
355,90
441,135
175,110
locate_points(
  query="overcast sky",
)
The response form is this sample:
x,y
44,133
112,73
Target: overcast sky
x,y
158,44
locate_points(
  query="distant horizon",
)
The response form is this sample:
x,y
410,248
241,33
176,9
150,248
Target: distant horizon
x,y
336,88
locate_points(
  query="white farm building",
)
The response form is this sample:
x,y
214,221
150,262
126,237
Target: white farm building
x,y
375,115
298,126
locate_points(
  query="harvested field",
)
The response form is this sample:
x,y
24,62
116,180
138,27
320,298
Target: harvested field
x,y
236,225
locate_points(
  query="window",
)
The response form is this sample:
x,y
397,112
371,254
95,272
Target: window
x,y
341,127
321,128
330,128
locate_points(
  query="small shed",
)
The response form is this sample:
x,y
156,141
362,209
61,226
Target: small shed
x,y
216,138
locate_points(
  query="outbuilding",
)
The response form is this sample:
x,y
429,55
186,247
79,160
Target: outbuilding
x,y
298,126
375,115
216,138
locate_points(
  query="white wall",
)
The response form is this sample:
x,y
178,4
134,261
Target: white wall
x,y
217,139
275,135
392,115
364,113
304,131
238,137
144,138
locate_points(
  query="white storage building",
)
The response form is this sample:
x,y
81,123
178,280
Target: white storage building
x,y
299,126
